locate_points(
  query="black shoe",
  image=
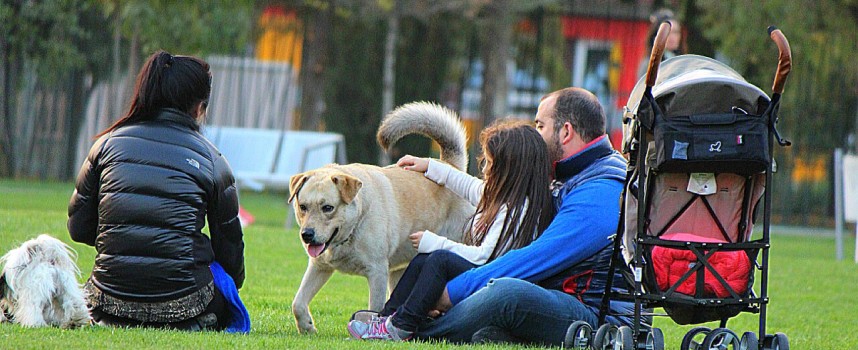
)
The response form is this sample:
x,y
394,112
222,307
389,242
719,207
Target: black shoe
x,y
364,316
205,322
494,335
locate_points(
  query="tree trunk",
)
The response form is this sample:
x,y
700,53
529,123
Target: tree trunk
x,y
7,156
74,122
113,99
695,40
314,59
389,79
496,40
133,59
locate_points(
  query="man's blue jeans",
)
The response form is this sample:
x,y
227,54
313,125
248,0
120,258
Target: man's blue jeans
x,y
525,310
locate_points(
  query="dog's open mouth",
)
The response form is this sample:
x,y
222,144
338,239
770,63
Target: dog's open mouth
x,y
314,250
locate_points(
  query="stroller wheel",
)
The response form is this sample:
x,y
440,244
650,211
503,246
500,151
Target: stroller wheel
x,y
605,337
779,341
655,339
749,341
578,336
694,338
625,339
721,338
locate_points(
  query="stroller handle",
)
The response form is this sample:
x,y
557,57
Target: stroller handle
x,y
784,59
657,52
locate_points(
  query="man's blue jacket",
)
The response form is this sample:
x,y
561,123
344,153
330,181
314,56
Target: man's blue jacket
x,y
573,253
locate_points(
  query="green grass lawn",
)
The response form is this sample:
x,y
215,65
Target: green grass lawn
x,y
811,300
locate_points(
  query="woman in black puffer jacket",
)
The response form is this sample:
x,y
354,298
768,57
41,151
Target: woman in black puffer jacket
x,y
142,198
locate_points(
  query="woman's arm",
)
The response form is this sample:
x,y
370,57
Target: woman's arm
x,y
83,205
224,225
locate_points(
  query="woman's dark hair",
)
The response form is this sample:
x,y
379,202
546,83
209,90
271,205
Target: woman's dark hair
x,y
166,81
655,19
517,173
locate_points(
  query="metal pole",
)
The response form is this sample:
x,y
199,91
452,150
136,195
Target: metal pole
x,y
838,203
856,242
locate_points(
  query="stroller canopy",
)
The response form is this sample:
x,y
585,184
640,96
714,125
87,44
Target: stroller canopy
x,y
692,85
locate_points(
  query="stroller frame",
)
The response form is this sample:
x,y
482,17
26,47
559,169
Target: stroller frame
x,y
643,292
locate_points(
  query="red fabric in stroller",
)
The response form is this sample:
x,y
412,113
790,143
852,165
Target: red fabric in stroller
x,y
670,264
696,224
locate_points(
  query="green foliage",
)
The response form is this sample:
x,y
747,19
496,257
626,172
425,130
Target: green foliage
x,y
424,53
188,27
425,64
809,295
58,37
50,35
354,86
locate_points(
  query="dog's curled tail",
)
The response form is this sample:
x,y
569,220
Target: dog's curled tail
x,y
431,120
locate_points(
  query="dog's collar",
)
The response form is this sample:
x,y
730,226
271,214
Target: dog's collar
x,y
353,231
347,240
336,231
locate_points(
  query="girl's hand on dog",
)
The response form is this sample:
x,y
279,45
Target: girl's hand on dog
x,y
415,238
409,162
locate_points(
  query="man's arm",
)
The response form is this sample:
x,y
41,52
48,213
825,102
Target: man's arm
x,y
581,228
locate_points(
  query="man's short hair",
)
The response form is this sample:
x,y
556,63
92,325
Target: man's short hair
x,y
581,109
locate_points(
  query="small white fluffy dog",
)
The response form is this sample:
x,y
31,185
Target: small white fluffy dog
x,y
38,286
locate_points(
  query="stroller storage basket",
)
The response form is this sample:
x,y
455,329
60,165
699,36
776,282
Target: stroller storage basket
x,y
712,143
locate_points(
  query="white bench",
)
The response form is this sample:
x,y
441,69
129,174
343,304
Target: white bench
x,y
266,158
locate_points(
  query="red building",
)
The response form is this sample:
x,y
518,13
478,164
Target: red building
x,y
607,44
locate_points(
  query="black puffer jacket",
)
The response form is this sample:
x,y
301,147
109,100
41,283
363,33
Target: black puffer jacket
x,y
141,199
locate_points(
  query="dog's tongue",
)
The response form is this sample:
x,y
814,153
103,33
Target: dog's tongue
x,y
315,249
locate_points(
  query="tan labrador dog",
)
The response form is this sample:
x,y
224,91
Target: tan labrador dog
x,y
356,218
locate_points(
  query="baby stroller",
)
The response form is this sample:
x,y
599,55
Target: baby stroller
x,y
699,139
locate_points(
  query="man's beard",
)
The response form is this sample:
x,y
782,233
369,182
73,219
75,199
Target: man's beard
x,y
555,148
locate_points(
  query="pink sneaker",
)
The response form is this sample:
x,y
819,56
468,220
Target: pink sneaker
x,y
359,322
382,329
357,328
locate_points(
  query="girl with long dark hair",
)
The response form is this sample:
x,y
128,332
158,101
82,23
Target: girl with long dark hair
x,y
513,207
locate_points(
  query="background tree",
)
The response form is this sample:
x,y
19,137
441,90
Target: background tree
x,y
315,52
424,50
47,43
818,112
55,50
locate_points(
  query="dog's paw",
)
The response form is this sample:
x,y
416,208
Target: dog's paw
x,y
303,318
306,329
305,324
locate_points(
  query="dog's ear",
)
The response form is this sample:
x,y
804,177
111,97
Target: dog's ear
x,y
296,182
348,186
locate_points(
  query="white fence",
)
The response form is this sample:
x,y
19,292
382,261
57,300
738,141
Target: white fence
x,y
246,93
